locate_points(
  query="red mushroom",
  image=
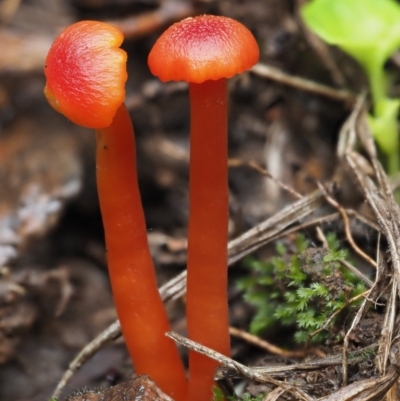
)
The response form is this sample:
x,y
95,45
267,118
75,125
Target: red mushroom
x,y
204,51
86,74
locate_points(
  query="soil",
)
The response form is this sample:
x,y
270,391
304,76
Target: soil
x,y
55,296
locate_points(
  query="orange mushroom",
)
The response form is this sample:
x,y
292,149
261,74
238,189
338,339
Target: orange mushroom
x,y
204,51
86,74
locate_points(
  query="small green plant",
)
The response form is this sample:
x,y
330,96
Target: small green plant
x,y
218,395
369,31
301,291
248,397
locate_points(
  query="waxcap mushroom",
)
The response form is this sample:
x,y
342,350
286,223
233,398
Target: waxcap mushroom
x,y
205,51
86,73
202,48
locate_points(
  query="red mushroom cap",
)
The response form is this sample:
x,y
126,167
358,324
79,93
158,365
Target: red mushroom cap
x,y
203,48
86,73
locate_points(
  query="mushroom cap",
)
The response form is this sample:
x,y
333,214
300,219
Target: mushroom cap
x,y
203,48
86,73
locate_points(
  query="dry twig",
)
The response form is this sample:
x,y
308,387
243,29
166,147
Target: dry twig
x,y
266,173
267,346
241,369
346,223
276,75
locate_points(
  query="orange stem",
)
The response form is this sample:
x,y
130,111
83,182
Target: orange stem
x,y
207,305
139,306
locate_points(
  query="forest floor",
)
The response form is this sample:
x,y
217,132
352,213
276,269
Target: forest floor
x,y
294,168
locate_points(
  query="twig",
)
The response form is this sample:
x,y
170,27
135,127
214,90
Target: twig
x,y
331,317
253,165
356,272
274,74
222,359
346,223
321,237
372,389
242,369
105,337
267,346
278,371
389,327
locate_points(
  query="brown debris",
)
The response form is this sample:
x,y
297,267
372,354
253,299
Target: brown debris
x,y
169,11
141,388
39,174
17,314
23,52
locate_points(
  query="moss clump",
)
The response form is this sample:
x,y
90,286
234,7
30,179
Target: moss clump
x,y
301,291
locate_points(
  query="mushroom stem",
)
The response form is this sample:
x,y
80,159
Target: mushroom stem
x,y
207,306
133,280
204,51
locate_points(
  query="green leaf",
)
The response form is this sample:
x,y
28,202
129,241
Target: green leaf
x,y
369,30
302,304
246,283
384,124
290,297
218,395
358,289
307,319
301,243
257,266
255,298
320,290
301,336
280,248
305,293
263,319
285,315
280,269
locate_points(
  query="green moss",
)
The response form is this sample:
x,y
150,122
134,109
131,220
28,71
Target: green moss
x,y
301,291
218,395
